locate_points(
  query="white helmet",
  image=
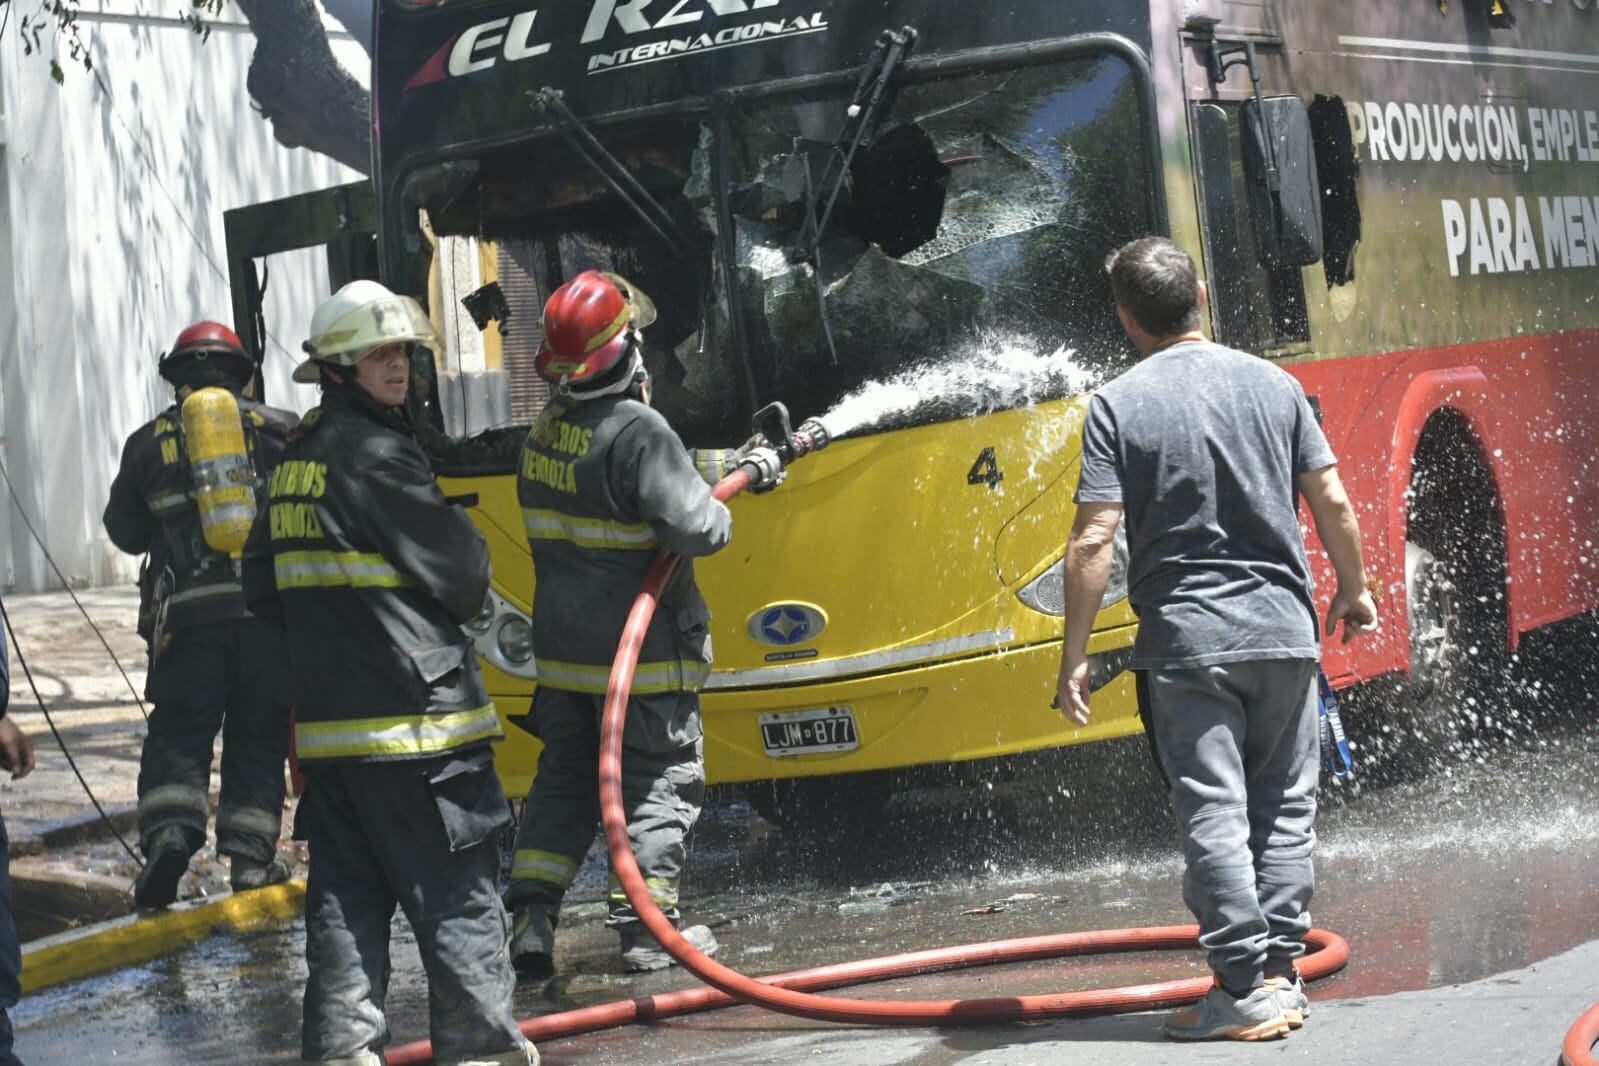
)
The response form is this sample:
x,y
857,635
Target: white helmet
x,y
357,319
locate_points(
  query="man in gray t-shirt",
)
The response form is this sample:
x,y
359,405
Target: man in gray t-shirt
x,y
1201,444
1204,451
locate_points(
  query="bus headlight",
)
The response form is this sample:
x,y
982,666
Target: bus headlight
x,y
1046,593
515,640
502,636
484,620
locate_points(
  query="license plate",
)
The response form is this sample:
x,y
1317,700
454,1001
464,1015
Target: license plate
x,y
807,732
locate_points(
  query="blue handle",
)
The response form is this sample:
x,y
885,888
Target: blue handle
x,y
1335,753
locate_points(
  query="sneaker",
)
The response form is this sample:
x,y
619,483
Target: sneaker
x,y
248,874
165,863
1290,996
533,940
1219,1016
642,953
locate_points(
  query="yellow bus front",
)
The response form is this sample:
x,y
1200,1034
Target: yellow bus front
x,y
897,601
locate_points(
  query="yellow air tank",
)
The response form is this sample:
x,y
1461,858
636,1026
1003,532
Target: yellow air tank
x,y
224,478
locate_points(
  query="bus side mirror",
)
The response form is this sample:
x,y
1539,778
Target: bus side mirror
x,y
1280,173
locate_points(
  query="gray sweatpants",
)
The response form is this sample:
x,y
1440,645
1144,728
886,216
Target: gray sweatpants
x,y
663,788
1239,743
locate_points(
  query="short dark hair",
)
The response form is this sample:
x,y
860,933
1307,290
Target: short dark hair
x,y
1154,280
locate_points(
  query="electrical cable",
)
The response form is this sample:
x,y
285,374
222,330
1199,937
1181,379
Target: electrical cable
x,y
788,993
22,661
17,502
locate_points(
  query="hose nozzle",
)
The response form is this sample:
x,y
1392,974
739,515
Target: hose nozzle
x,y
772,422
811,436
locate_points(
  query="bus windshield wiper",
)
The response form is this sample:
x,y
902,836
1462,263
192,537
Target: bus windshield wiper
x,y
623,185
860,118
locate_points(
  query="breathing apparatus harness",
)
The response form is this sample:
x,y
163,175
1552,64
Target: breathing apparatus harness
x,y
218,444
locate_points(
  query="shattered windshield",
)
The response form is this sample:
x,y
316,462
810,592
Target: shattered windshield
x,y
967,248
530,219
977,218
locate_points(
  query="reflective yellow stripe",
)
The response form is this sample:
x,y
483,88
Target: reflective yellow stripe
x,y
604,336
406,734
163,502
324,569
544,524
663,890
249,820
205,592
162,797
711,464
529,864
675,675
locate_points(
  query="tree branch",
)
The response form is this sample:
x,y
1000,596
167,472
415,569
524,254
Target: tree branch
x,y
299,86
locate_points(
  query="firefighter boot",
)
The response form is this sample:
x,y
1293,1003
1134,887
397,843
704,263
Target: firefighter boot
x,y
642,953
533,939
165,863
248,874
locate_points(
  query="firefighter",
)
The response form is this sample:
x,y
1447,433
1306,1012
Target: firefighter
x,y
16,755
604,483
213,666
372,571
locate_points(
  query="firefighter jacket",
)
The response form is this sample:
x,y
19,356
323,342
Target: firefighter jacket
x,y
603,485
152,509
372,572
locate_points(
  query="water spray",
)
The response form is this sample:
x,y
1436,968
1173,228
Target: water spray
x,y
991,372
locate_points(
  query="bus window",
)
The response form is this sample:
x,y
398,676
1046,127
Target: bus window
x,y
980,215
1338,166
976,219
1253,307
473,392
543,216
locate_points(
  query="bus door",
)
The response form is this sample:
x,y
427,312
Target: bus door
x,y
1259,229
343,220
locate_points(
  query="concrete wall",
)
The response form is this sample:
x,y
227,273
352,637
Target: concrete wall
x,y
112,189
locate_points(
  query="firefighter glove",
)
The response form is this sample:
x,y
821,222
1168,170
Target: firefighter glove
x,y
749,446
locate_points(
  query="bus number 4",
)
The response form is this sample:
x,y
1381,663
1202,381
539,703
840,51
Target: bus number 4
x,y
986,470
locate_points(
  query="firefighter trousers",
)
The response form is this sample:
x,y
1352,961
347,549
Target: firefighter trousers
x,y
10,955
232,677
663,788
422,836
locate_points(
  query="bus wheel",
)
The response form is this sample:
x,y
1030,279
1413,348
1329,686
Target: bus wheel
x,y
1434,623
837,804
1430,701
1455,595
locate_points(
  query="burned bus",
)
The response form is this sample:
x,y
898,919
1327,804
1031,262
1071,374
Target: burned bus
x,y
896,213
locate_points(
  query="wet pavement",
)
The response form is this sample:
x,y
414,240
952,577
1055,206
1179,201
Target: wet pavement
x,y
1474,871
95,705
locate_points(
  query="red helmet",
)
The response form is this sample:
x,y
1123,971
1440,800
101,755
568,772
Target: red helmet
x,y
589,326
197,345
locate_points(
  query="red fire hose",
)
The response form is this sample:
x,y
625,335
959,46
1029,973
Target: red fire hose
x,y
1578,1048
789,993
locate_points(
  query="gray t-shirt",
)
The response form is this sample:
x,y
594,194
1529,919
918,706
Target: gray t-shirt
x,y
1203,446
